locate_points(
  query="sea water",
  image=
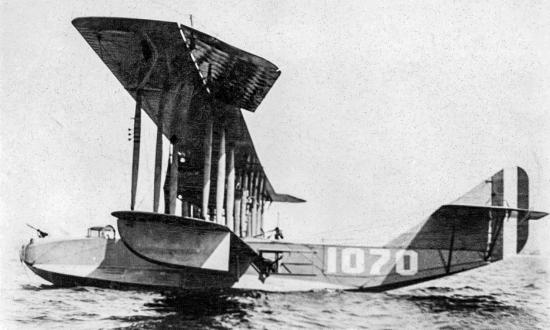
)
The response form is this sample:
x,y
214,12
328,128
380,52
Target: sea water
x,y
513,294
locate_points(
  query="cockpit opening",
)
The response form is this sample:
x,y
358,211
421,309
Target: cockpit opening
x,y
107,232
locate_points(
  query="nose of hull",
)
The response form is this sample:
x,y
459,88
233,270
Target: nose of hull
x,y
60,260
23,255
30,252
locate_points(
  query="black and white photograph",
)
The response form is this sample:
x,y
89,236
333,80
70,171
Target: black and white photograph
x,y
170,164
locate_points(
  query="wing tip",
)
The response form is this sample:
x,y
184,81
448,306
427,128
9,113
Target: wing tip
x,y
284,198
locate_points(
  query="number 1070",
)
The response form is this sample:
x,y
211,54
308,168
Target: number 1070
x,y
371,261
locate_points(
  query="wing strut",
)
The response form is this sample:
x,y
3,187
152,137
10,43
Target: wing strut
x,y
137,119
173,182
160,127
220,182
230,197
135,157
158,164
243,226
207,167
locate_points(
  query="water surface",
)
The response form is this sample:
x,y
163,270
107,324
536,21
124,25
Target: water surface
x,y
508,295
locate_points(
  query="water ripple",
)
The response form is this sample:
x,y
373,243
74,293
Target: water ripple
x,y
513,294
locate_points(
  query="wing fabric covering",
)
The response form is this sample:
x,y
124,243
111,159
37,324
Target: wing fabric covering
x,y
186,77
231,72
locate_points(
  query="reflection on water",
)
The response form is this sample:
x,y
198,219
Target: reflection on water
x,y
205,311
446,300
513,294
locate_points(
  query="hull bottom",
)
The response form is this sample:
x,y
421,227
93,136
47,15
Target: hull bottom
x,y
70,281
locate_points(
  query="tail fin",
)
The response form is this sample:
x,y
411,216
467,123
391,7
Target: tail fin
x,y
508,188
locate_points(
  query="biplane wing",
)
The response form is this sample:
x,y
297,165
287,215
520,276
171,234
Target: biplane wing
x,y
135,49
182,77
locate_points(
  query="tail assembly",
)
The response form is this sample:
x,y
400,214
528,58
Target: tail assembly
x,y
503,203
487,224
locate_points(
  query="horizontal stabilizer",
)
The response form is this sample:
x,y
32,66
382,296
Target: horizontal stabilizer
x,y
457,210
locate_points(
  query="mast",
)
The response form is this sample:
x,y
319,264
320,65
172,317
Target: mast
x,y
220,186
207,167
135,156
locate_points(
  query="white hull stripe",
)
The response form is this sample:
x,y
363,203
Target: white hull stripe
x,y
219,259
276,283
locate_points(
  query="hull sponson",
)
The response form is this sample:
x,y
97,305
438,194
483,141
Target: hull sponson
x,y
106,262
183,242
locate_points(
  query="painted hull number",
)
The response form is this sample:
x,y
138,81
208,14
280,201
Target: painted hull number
x,y
370,261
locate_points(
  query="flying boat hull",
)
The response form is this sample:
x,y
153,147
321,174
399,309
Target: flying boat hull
x,y
109,263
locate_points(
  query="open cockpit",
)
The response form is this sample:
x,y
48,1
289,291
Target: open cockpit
x,y
107,232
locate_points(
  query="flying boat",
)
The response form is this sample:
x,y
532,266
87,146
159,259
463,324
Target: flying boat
x,y
211,235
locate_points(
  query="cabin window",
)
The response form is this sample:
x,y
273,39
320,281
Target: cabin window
x,y
109,232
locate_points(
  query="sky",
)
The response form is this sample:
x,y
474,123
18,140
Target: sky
x,y
384,110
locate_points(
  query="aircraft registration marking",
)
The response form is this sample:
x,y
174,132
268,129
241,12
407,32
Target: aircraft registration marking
x,y
370,261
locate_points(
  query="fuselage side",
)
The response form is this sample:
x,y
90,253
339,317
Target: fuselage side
x,y
299,267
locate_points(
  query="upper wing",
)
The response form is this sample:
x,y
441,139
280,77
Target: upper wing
x,y
131,48
183,74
